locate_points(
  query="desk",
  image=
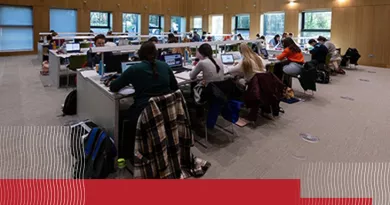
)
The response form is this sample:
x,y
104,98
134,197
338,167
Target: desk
x,y
97,103
55,70
306,55
41,52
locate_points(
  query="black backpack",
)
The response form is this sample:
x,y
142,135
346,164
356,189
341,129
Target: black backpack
x,y
323,77
70,105
98,159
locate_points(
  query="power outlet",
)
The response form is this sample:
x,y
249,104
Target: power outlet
x,y
371,56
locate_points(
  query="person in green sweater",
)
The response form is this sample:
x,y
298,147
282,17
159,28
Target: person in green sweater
x,y
150,78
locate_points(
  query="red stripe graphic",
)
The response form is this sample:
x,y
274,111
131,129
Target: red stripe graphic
x,y
188,192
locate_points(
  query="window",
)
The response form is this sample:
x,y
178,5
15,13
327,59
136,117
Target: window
x,y
16,28
101,22
316,23
217,26
197,24
156,24
273,23
131,23
178,24
242,25
63,20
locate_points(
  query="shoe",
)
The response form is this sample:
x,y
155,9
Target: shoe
x,y
341,71
267,116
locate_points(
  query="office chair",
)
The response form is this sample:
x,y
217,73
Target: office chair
x,y
85,45
76,62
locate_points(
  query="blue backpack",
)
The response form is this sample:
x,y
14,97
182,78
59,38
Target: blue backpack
x,y
99,156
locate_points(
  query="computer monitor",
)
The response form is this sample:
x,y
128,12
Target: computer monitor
x,y
113,63
174,60
264,52
227,59
72,47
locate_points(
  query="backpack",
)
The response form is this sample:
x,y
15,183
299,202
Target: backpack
x,y
99,156
323,77
70,105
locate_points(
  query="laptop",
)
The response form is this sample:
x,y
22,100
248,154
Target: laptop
x,y
175,62
227,59
73,48
264,52
127,65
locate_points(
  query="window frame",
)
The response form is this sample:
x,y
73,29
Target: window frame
x,y
21,26
264,25
138,23
63,9
109,27
236,24
159,22
195,28
313,30
180,27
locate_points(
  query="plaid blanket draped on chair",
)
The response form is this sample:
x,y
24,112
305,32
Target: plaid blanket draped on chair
x,y
164,139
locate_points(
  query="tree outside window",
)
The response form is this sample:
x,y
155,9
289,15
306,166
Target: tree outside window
x,y
316,23
197,25
100,22
242,25
273,24
155,24
131,23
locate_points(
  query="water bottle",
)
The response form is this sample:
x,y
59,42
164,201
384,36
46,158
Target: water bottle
x,y
101,68
121,172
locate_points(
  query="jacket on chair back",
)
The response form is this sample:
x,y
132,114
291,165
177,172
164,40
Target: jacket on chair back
x,y
163,139
265,89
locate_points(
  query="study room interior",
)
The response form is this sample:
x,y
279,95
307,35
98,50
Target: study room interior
x,y
205,89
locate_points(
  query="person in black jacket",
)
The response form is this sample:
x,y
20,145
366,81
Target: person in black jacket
x,y
319,51
95,58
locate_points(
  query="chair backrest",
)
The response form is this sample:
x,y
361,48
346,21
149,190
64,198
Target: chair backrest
x,y
328,57
235,47
163,109
85,45
76,62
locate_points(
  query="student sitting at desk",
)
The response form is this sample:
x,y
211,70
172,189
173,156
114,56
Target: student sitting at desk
x,y
336,58
95,58
292,60
150,78
196,37
211,68
239,37
319,51
275,41
249,66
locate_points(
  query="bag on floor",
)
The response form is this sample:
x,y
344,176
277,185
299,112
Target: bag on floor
x,y
323,77
70,105
99,156
45,68
78,137
199,94
78,134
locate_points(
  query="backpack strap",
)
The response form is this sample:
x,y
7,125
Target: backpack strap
x,y
91,140
102,137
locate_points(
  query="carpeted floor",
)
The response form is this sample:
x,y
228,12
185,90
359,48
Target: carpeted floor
x,y
350,116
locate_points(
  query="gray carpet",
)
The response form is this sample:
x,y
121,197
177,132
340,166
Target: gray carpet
x,y
350,116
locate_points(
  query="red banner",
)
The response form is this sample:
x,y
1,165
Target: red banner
x,y
188,192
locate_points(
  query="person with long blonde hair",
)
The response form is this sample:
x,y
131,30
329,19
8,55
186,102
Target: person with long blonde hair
x,y
250,65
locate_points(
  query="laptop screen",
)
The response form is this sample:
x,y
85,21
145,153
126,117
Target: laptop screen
x,y
75,47
127,65
264,52
227,58
173,60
